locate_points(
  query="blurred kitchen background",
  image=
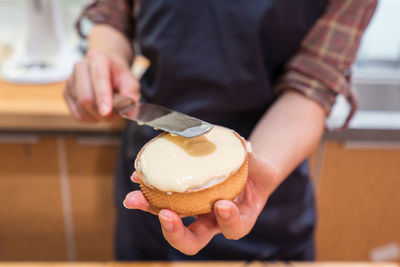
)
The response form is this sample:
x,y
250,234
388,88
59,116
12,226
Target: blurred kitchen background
x,y
56,174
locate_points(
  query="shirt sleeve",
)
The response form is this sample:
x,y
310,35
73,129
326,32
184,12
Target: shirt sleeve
x,y
116,13
320,69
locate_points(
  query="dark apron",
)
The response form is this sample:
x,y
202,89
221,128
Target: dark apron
x,y
219,60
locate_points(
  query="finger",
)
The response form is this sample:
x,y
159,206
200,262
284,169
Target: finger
x,y
263,173
136,200
99,66
77,112
189,240
72,106
125,83
84,91
232,223
112,116
135,177
69,89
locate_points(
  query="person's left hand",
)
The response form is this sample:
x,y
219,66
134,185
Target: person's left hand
x,y
234,219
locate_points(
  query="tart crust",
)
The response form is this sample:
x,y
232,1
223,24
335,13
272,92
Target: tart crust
x,y
197,201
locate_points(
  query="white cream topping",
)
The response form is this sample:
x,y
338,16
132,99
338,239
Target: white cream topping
x,y
168,167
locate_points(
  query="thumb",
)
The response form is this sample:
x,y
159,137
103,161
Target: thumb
x,y
263,172
124,82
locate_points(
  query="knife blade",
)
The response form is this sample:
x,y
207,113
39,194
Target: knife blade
x,y
160,118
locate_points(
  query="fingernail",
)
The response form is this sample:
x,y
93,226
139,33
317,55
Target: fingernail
x,y
135,177
104,109
130,201
167,223
224,214
224,211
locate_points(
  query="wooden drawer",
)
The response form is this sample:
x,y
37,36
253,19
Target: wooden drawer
x,y
91,164
56,198
31,218
358,202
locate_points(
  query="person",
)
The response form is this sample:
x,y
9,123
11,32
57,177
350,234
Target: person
x,y
269,69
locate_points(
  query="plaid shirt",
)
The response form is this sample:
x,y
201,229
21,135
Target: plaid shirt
x,y
320,69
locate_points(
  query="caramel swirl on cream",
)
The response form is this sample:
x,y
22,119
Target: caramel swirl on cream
x,y
197,146
177,164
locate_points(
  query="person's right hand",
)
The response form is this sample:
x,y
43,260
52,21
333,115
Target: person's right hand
x,y
89,90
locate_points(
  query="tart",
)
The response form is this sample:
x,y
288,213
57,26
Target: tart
x,y
188,175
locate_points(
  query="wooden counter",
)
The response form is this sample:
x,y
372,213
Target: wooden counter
x,y
30,107
198,264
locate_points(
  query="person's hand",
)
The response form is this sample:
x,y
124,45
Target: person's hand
x,y
89,90
234,219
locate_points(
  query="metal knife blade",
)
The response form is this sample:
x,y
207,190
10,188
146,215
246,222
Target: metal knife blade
x,y
160,117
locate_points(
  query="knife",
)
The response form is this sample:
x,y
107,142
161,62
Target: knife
x,y
158,117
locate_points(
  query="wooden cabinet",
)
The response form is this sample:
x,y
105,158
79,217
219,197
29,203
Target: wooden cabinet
x,y
31,217
91,163
358,203
56,196
56,199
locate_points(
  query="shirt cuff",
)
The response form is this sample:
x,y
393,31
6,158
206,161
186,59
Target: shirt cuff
x,y
318,81
117,14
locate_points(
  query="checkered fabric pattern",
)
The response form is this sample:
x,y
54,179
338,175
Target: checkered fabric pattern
x,y
320,69
116,13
